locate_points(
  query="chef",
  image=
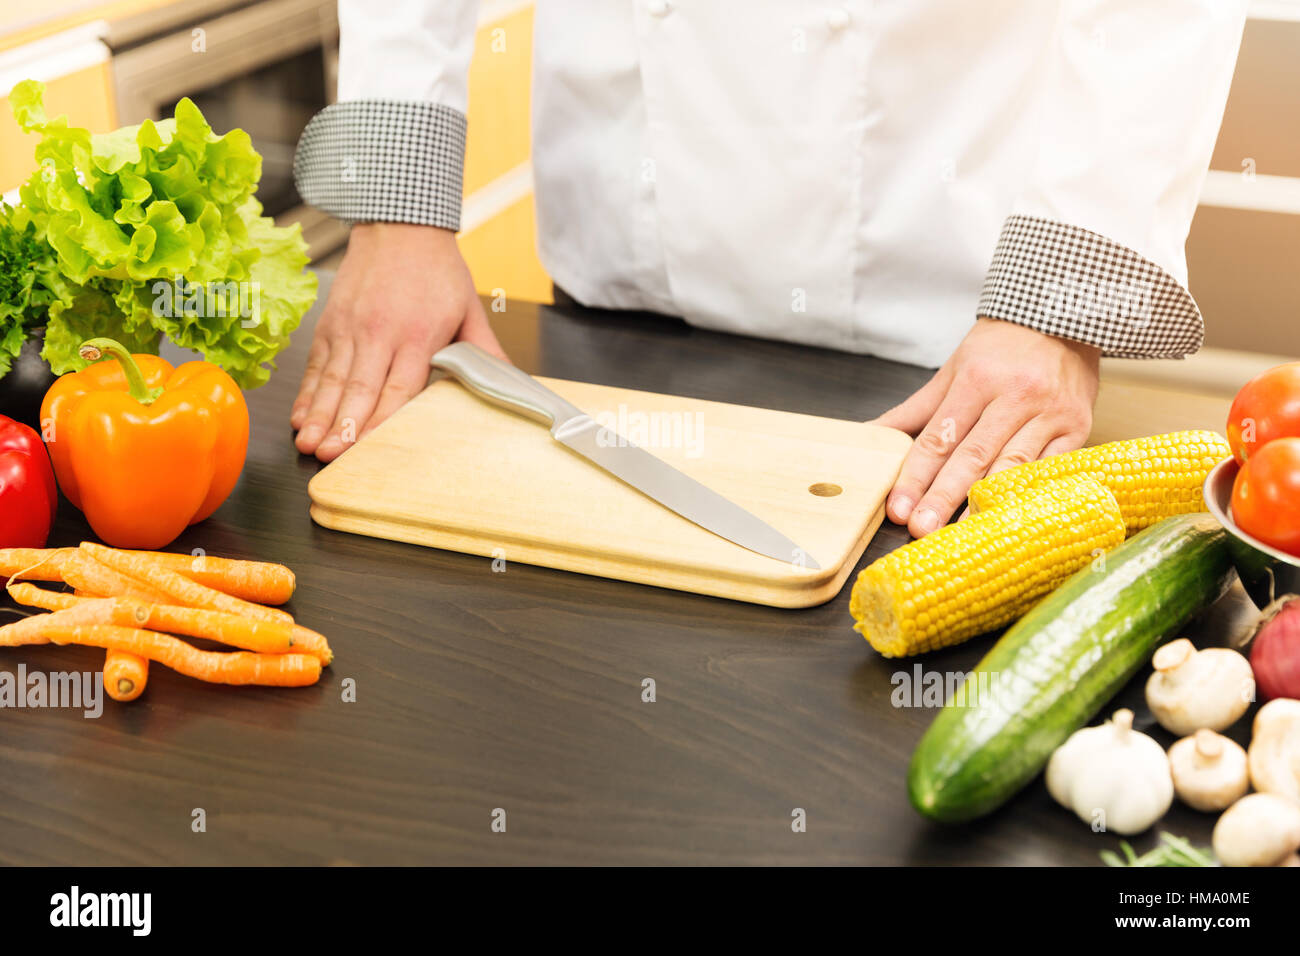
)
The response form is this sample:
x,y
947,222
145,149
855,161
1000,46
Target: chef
x,y
998,189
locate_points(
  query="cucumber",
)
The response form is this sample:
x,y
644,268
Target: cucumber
x,y
1058,665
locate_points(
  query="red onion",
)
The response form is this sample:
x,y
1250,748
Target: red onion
x,y
1275,655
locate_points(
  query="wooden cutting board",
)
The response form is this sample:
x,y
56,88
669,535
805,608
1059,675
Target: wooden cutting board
x,y
452,471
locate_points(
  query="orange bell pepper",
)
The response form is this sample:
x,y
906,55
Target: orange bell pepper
x,y
142,448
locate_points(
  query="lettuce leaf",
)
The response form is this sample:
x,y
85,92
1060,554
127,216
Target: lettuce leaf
x,y
140,217
92,312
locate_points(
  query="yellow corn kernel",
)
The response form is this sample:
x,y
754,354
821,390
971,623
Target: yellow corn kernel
x,y
986,570
1152,478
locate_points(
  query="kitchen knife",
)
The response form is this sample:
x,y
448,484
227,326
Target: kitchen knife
x,y
503,384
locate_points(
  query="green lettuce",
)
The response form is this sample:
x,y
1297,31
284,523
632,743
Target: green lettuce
x,y
91,313
155,231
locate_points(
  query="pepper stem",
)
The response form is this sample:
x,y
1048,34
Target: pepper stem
x,y
92,350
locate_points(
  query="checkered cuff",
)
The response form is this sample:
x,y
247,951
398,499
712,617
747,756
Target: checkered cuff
x,y
1067,281
384,161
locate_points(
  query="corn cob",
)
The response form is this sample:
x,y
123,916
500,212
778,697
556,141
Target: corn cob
x,y
986,570
1152,478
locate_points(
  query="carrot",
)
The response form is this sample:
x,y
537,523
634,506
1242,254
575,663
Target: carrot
x,y
86,574
177,587
125,675
311,642
24,631
236,667
258,581
34,564
33,596
267,637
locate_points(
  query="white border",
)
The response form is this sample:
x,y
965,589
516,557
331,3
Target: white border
x,y
496,197
490,11
54,56
1258,193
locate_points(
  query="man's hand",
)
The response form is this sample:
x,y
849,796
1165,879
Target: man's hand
x,y
1008,395
402,292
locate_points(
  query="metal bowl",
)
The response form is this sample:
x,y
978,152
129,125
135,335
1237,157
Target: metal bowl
x,y
1266,573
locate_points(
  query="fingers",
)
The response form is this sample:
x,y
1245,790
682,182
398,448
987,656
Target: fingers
x,y
1007,395
341,303
371,351
928,453
325,401
369,368
1041,437
911,415
967,463
316,359
476,329
356,381
406,379
1067,442
1028,444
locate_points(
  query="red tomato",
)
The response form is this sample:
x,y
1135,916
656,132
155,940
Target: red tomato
x,y
1266,495
1267,407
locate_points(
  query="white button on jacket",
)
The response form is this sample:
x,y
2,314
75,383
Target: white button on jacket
x,y
837,18
840,175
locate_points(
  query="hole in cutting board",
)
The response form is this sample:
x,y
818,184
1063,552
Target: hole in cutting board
x,y
825,489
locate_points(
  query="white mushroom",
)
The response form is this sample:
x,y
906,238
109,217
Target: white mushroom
x,y
1113,777
1275,748
1261,829
1191,689
1209,770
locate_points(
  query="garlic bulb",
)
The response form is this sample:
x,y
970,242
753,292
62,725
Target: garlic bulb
x,y
1209,770
1191,689
1275,748
1114,777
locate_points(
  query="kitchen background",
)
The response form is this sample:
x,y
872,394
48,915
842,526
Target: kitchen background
x,y
268,65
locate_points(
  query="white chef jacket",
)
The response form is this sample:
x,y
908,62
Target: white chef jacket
x,y
866,176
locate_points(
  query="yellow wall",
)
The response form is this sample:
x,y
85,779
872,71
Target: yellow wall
x,y
86,96
35,21
500,96
502,251
502,255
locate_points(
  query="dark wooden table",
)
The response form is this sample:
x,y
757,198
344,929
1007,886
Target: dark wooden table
x,y
521,691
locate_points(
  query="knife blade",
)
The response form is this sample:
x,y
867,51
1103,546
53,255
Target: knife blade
x,y
501,383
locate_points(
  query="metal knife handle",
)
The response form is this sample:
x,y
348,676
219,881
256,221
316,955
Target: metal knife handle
x,y
502,383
